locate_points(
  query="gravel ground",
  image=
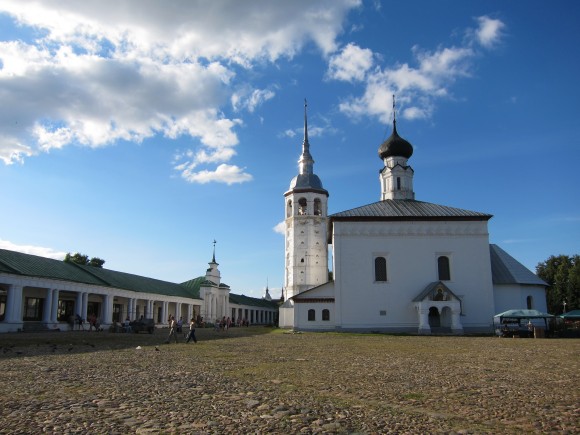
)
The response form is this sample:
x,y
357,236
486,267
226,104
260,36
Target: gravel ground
x,y
259,380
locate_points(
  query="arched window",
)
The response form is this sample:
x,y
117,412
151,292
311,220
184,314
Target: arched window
x,y
311,315
317,207
530,302
302,206
380,269
289,208
443,268
325,314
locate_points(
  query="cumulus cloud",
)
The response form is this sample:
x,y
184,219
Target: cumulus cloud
x,y
489,31
351,64
137,69
250,99
280,228
228,174
416,85
33,250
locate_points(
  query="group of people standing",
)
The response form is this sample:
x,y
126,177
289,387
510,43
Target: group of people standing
x,y
176,327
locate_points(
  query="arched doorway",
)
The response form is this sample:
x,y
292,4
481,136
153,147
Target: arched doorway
x,y
434,318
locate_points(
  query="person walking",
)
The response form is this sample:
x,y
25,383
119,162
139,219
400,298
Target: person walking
x,y
172,329
191,335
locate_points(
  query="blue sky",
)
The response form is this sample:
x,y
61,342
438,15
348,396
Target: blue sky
x,y
141,131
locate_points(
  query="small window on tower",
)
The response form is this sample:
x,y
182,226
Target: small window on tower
x,y
302,206
302,260
398,183
317,207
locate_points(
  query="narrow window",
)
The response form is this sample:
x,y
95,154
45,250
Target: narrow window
x,y
443,268
311,315
398,183
302,206
289,208
317,207
380,269
325,314
530,302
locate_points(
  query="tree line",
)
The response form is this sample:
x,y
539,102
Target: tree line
x,y
83,259
562,274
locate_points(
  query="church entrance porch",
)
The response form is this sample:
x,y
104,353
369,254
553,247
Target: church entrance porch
x,y
438,310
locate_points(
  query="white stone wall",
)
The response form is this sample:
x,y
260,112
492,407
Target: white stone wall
x,y
306,253
514,296
411,250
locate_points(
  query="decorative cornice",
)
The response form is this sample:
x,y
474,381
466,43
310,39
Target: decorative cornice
x,y
416,228
312,300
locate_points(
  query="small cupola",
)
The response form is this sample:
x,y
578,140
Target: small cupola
x,y
395,146
396,176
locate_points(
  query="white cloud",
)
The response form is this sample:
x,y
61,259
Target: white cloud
x,y
417,86
228,174
33,250
250,99
140,68
280,228
489,31
351,64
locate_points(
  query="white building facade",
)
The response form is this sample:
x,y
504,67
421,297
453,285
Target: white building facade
x,y
402,265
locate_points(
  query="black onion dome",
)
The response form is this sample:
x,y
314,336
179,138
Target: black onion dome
x,y
396,146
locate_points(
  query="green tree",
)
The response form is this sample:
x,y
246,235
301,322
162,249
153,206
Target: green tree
x,y
83,259
562,274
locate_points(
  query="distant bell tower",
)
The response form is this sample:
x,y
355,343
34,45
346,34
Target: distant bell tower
x,y
397,176
306,251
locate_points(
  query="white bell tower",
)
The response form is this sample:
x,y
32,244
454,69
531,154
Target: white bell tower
x,y
306,211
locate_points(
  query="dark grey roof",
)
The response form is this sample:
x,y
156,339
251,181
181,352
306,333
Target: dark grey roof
x,y
505,269
407,209
306,182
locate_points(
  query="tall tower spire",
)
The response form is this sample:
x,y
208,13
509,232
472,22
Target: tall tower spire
x,y
306,163
305,225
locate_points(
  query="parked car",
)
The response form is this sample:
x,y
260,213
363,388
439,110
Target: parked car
x,y
147,325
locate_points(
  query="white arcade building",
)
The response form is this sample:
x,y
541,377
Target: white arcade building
x,y
38,293
398,265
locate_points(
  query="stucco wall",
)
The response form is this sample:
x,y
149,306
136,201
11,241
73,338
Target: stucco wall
x,y
411,250
514,296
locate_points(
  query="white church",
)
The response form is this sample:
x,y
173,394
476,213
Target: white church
x,y
399,264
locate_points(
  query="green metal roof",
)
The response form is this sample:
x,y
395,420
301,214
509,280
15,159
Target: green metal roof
x,y
523,314
255,302
193,285
32,265
41,267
